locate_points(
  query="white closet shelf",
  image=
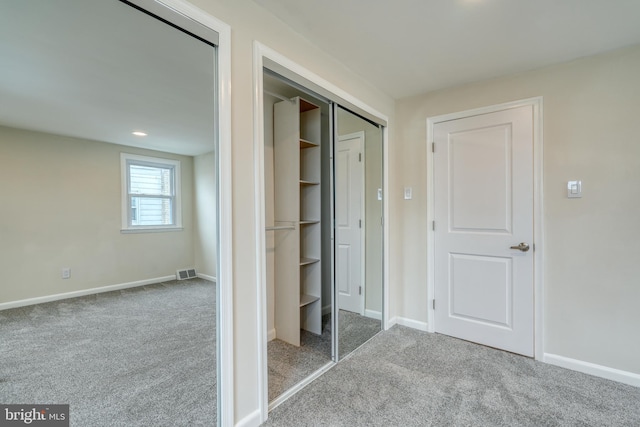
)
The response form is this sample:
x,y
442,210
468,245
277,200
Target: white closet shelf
x,y
307,261
305,182
307,299
309,221
307,144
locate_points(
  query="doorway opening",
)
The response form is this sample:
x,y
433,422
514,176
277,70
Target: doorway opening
x,y
309,194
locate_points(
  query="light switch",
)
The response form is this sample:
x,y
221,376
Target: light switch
x,y
408,193
574,189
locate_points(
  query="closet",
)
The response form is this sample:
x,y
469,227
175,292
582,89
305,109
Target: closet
x,y
298,215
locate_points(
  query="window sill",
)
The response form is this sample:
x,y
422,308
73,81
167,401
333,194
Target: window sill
x,y
150,230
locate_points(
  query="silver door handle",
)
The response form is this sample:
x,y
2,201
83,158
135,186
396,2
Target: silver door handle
x,y
524,247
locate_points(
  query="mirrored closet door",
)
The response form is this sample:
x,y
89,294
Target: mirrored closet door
x,y
323,212
108,124
358,229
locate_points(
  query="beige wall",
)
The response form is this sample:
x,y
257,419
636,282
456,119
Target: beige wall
x,y
250,22
591,130
62,208
205,212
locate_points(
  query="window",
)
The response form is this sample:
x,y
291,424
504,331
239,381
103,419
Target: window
x,y
150,193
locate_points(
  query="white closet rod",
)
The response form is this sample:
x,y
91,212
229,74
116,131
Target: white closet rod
x,y
280,227
277,95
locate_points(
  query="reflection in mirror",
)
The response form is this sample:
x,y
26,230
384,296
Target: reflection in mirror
x,y
297,235
359,230
97,223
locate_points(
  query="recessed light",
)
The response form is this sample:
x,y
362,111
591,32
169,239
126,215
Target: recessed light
x,y
138,133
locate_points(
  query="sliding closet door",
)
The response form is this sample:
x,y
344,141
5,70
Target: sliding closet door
x,y
358,244
91,83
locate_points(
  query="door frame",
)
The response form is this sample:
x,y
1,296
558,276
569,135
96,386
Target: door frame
x,y
261,54
363,228
538,223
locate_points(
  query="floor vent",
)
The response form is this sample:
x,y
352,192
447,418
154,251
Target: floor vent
x,y
189,273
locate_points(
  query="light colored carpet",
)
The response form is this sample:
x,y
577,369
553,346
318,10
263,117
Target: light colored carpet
x,y
355,330
138,357
288,364
404,377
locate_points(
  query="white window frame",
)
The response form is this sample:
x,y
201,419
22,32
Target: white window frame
x,y
127,227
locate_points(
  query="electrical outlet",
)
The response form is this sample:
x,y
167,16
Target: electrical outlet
x,y
66,272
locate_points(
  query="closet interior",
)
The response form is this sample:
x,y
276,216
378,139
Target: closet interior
x,y
298,238
323,236
297,217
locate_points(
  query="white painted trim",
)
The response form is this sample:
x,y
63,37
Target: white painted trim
x,y
538,227
271,335
373,314
207,277
409,323
302,384
84,292
261,51
613,374
385,228
251,420
260,224
226,391
271,54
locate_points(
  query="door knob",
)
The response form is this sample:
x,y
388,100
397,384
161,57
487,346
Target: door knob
x,y
524,247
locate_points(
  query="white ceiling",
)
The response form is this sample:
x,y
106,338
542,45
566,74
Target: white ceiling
x,y
409,47
99,70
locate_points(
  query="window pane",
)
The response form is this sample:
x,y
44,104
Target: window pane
x,y
151,211
150,180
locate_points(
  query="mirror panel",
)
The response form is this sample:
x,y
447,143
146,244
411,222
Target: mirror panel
x,y
78,77
359,229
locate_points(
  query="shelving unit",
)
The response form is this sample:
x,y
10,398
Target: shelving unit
x,y
298,264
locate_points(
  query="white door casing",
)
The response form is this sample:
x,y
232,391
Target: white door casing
x,y
483,205
350,222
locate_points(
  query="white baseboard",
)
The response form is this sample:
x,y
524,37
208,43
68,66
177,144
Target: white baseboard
x,y
271,335
251,420
84,292
613,374
207,277
409,323
373,314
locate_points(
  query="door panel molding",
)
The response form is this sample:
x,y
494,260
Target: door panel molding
x,y
537,105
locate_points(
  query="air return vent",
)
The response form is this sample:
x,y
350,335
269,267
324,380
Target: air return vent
x,y
189,273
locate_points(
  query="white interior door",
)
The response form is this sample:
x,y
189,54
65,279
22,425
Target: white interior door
x,y
483,189
349,221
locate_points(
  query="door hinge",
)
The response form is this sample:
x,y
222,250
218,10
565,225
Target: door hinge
x,y
359,157
359,290
360,223
433,304
433,225
433,147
